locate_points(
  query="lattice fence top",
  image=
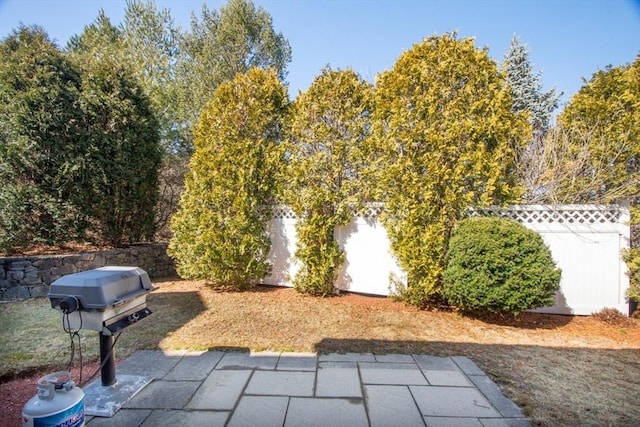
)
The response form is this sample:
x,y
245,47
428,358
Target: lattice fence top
x,y
560,214
526,214
284,212
371,211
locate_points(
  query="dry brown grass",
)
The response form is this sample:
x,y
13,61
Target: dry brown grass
x,y
562,370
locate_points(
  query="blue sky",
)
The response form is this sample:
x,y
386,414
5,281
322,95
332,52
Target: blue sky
x,y
568,39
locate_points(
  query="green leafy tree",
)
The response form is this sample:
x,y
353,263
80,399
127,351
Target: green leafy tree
x,y
147,41
220,231
40,144
330,123
222,44
124,154
444,140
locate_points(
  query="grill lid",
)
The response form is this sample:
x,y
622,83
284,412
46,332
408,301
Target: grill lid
x,y
101,287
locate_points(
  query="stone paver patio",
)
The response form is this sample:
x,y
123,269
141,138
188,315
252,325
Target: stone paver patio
x,y
305,389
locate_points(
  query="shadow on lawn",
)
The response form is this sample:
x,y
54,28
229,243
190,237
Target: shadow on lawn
x,y
168,317
554,385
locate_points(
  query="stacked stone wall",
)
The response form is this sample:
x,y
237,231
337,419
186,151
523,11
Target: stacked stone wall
x,y
30,276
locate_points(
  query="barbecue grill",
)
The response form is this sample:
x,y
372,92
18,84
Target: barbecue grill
x,y
106,300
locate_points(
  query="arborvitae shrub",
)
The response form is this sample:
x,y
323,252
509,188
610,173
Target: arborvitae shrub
x,y
498,265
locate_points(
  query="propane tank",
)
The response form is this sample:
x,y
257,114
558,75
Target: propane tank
x,y
58,403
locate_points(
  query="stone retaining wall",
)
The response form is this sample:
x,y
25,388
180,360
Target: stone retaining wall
x,y
30,276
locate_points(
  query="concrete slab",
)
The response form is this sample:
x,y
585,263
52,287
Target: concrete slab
x,y
452,422
329,412
452,402
391,358
237,360
259,411
434,363
506,407
105,401
391,374
448,378
281,383
297,362
467,365
155,364
162,418
194,367
221,390
391,406
338,379
124,417
347,357
164,395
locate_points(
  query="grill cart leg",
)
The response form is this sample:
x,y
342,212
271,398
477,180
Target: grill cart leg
x,y
107,360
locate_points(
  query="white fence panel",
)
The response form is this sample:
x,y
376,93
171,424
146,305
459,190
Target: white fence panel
x,y
585,241
369,263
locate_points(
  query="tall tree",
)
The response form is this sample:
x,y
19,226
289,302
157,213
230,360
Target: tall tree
x,y
41,146
220,45
330,123
445,135
220,231
526,88
147,41
123,151
529,98
607,109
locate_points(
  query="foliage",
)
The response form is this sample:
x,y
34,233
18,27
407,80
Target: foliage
x,y
528,98
607,109
498,265
146,41
444,140
526,88
222,44
329,125
151,46
632,256
220,231
124,154
40,148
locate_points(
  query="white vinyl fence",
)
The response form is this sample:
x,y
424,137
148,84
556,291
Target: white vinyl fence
x,y
585,241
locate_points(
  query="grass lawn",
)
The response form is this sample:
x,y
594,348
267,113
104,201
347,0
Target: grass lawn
x,y
563,370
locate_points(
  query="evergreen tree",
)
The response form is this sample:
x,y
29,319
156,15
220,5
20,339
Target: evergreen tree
x,y
528,98
526,88
444,134
330,123
607,111
222,44
220,231
41,146
123,155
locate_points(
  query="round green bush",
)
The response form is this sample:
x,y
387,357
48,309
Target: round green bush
x,y
497,265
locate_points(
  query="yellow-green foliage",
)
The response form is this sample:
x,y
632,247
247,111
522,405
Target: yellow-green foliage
x,y
329,125
220,231
632,257
607,109
444,139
